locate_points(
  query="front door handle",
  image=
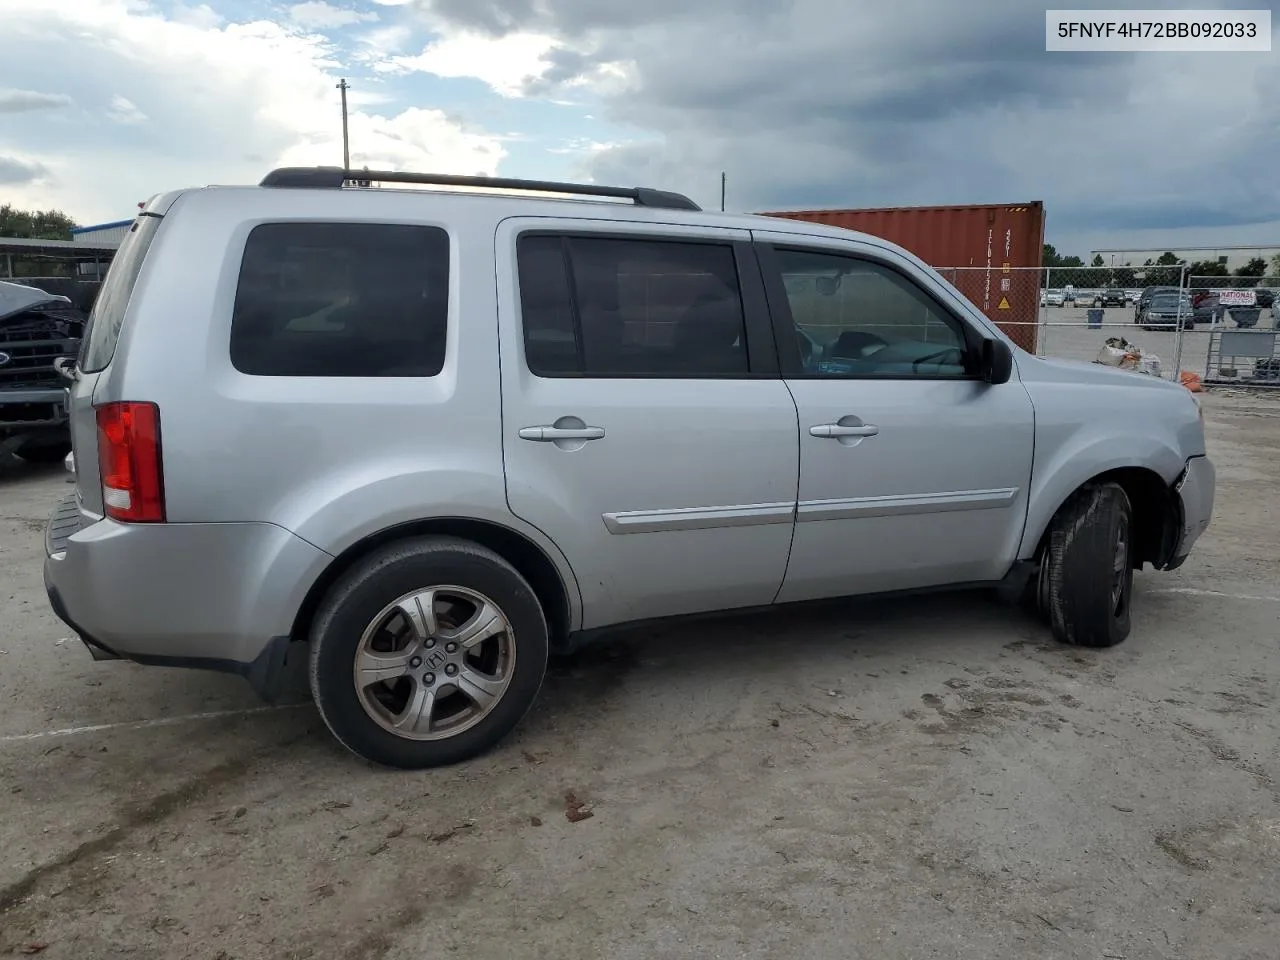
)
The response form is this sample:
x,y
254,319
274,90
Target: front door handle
x,y
837,430
551,433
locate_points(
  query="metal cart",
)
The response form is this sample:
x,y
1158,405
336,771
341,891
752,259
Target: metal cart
x,y
1247,358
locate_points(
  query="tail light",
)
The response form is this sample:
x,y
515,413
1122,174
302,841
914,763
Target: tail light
x,y
129,461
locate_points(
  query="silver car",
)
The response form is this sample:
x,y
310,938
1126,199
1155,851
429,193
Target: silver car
x,y
415,439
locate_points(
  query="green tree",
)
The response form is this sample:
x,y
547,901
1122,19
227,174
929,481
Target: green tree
x,y
35,224
1208,273
1164,271
1053,261
1098,261
1251,272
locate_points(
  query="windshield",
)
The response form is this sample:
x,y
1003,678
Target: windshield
x,y
1166,302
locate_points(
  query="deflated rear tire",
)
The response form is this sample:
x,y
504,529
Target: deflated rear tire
x,y
1086,574
427,652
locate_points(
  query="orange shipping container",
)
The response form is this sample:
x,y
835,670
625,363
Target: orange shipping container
x,y
991,253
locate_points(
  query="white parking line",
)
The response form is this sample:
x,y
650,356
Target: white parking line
x,y
1196,592
140,724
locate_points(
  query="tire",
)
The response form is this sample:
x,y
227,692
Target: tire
x,y
1084,597
54,452
361,716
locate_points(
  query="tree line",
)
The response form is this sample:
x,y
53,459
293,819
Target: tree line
x,y
1165,270
35,224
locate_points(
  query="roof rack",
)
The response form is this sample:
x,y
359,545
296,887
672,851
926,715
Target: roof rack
x,y
335,177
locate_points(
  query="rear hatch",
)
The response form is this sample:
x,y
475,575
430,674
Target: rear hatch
x,y
106,320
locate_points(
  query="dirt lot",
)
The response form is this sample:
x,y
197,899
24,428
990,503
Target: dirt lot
x,y
920,778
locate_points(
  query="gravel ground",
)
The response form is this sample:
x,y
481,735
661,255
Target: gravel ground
x,y
918,778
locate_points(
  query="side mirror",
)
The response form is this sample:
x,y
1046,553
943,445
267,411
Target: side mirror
x,y
997,361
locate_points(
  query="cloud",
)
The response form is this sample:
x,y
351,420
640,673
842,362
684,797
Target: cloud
x,y
506,63
124,111
416,139
820,103
226,103
16,170
21,101
381,43
318,15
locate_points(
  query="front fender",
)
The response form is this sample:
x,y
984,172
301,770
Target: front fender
x,y
1072,463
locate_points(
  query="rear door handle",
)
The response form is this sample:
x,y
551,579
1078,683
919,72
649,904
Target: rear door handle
x,y
835,430
550,434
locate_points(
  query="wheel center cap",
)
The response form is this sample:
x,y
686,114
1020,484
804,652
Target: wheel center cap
x,y
435,659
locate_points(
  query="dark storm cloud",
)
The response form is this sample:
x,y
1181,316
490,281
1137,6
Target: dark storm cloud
x,y
572,18
826,103
13,170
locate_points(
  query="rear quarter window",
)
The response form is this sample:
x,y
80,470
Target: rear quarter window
x,y
341,300
107,316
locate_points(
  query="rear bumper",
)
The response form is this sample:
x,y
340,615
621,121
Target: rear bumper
x,y
216,596
1195,490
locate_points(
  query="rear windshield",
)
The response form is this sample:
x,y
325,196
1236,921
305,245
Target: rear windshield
x,y
342,300
113,299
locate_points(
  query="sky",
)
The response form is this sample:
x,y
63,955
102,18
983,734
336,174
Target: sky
x,y
802,103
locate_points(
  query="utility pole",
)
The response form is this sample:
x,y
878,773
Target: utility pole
x,y
722,180
346,150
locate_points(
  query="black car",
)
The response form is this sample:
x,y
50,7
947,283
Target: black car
x,y
1109,298
1266,298
1164,310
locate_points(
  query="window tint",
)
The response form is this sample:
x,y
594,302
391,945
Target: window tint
x,y
603,307
856,318
341,300
550,333
107,315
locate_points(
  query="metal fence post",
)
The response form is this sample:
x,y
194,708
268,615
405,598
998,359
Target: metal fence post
x,y
1042,341
1183,290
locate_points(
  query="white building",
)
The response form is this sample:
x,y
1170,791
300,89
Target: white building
x,y
102,233
1232,257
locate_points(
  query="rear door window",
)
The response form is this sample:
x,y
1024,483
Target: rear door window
x,y
107,316
342,300
612,307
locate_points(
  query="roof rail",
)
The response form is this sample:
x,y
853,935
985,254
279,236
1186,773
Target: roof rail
x,y
334,177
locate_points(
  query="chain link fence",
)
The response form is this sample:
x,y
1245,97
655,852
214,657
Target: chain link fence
x,y
1224,329
1234,337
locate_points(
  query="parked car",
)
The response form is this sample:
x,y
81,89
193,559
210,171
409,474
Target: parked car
x,y
1206,307
1165,311
430,435
38,330
1112,297
1051,298
1266,298
1145,297
1131,296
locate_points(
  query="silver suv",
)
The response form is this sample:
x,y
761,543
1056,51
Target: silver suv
x,y
420,437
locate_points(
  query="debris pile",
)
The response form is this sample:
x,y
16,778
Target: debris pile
x,y
1119,352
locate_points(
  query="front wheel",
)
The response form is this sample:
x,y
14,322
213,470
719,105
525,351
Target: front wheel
x,y
1086,572
427,652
